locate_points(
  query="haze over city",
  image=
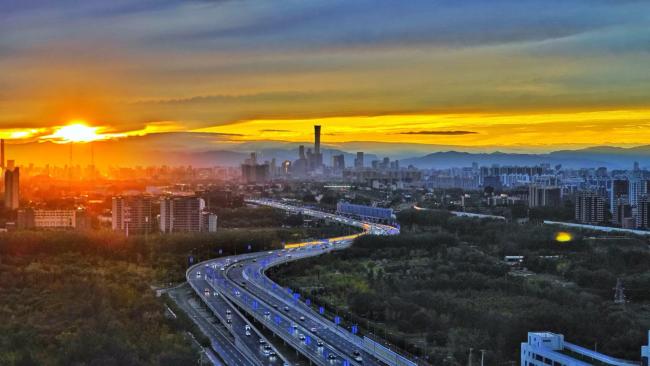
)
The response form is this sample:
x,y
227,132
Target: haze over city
x,y
324,182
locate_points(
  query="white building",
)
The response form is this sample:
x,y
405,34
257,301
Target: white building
x,y
546,348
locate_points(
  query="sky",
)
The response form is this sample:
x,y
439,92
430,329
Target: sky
x,y
520,75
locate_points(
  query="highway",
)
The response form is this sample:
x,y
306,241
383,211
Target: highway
x,y
241,281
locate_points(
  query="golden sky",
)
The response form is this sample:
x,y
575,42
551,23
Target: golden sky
x,y
511,75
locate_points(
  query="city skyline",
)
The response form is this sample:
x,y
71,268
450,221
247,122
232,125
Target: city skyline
x,y
511,76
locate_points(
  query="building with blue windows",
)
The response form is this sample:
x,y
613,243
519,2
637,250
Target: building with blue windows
x,y
366,212
545,348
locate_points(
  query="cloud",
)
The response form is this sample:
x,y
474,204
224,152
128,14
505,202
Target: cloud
x,y
446,133
273,130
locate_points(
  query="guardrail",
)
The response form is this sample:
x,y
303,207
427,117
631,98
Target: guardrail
x,y
246,352
279,331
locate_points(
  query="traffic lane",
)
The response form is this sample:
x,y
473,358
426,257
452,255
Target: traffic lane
x,y
283,325
237,327
312,319
344,347
220,343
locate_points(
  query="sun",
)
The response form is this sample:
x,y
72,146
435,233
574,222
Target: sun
x,y
77,131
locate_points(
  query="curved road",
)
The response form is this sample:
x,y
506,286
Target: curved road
x,y
239,282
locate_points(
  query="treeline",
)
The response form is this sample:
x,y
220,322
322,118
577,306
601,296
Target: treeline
x,y
85,298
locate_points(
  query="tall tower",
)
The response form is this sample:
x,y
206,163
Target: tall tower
x,y
2,153
317,139
317,161
12,188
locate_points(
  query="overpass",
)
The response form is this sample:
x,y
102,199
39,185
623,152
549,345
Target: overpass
x,y
244,290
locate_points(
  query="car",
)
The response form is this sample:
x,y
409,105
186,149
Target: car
x,y
301,337
275,306
248,333
247,327
254,260
267,314
206,292
228,311
229,321
272,355
313,330
320,344
286,308
294,325
358,359
198,274
262,341
223,268
302,318
331,356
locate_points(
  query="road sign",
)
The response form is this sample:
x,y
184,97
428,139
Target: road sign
x,y
337,320
321,310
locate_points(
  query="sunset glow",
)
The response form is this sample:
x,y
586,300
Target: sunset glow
x,y
76,132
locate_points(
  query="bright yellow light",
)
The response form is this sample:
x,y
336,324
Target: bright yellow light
x,y
563,237
76,132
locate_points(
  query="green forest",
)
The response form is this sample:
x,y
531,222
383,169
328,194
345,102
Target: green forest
x,y
441,287
87,298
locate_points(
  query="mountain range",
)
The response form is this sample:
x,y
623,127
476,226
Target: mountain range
x,y
207,149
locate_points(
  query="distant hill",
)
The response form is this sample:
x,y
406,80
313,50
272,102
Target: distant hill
x,y
611,157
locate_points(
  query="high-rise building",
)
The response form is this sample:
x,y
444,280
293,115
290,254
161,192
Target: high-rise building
x,y
316,159
185,214
590,208
338,162
2,153
358,161
12,187
252,172
638,189
132,214
317,139
622,212
643,213
620,189
543,196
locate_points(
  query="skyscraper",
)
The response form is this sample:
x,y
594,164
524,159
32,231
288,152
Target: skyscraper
x,y
316,160
590,208
317,139
2,153
12,188
643,213
131,214
182,214
358,161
